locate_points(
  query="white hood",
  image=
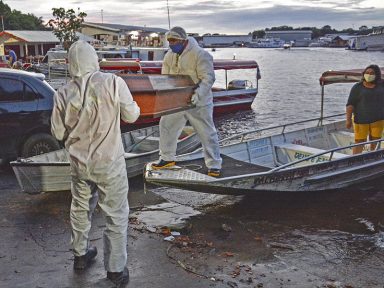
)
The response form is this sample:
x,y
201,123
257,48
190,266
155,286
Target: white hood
x,y
82,59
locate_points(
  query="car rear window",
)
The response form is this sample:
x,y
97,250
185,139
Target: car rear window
x,y
14,90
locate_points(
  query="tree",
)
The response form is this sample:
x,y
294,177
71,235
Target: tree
x,y
15,20
363,27
282,28
258,34
327,30
66,24
349,31
316,32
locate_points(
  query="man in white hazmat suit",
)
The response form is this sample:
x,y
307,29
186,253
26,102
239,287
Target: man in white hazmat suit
x,y
86,116
187,58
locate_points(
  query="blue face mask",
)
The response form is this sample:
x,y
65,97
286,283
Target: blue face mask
x,y
177,48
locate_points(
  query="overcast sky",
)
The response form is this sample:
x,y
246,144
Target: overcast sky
x,y
218,16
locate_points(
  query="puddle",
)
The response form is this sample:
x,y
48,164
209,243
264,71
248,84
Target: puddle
x,y
172,215
197,200
380,240
175,207
369,225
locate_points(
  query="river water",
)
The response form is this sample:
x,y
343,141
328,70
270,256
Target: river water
x,y
289,88
323,240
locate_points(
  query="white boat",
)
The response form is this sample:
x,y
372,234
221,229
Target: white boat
x,y
266,43
291,159
287,46
50,172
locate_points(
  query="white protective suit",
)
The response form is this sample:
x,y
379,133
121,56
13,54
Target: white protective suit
x,y
86,116
197,63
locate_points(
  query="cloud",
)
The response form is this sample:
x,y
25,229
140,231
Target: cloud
x,y
247,20
219,16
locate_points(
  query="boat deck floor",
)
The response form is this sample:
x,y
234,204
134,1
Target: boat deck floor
x,y
230,167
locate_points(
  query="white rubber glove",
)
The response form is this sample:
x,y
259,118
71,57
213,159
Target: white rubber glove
x,y
195,99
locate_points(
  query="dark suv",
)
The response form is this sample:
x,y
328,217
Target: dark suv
x,y
26,102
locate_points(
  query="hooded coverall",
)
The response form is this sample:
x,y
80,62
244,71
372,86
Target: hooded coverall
x,y
198,64
86,116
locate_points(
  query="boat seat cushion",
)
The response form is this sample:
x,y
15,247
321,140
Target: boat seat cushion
x,y
288,152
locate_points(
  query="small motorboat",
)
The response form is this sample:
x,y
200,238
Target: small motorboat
x,y
50,172
287,46
285,158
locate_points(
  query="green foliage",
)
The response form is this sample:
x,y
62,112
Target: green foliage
x,y
65,25
15,20
258,34
281,28
316,32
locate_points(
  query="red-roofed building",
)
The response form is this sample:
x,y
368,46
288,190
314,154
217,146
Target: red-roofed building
x,y
27,44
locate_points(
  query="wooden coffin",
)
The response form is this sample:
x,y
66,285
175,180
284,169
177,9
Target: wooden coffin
x,y
159,95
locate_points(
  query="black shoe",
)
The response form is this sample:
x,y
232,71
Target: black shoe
x,y
214,172
82,262
120,279
162,164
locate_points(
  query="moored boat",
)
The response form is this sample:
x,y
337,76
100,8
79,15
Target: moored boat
x,y
266,43
287,46
289,159
50,172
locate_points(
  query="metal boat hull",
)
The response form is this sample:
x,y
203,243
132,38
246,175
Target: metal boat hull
x,y
321,170
51,171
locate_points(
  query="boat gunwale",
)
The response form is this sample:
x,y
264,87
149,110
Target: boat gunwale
x,y
269,172
242,134
287,167
248,92
19,163
29,164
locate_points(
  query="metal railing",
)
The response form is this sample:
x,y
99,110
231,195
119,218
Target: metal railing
x,y
283,126
330,151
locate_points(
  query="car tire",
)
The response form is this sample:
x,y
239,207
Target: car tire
x,y
38,144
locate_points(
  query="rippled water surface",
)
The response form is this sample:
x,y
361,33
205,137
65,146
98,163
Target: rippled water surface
x,y
289,89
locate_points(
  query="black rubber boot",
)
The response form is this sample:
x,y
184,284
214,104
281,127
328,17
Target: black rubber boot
x,y
82,262
120,279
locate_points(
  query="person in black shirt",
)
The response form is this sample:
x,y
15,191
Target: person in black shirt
x,y
365,104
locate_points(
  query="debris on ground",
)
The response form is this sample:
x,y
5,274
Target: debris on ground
x,y
226,228
169,238
281,246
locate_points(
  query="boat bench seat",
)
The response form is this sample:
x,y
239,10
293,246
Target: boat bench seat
x,y
288,152
344,138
